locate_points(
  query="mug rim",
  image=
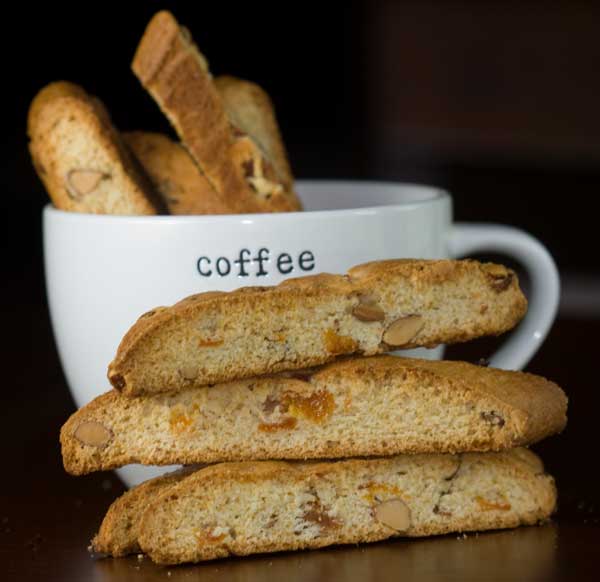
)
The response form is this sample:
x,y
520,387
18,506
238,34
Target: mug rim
x,y
433,195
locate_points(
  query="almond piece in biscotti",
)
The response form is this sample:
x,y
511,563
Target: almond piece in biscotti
x,y
93,434
500,277
403,330
254,174
189,371
81,182
368,310
393,513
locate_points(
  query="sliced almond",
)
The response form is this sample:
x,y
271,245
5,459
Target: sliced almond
x,y
394,513
500,284
93,434
189,372
500,277
403,330
496,270
82,182
265,187
368,310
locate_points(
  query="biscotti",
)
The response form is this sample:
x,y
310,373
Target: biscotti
x,y
118,534
246,508
357,407
176,74
175,175
81,158
380,306
178,179
251,110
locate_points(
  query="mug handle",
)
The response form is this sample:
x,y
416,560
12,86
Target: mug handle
x,y
524,342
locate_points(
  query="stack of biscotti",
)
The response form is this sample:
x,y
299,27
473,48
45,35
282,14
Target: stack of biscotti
x,y
231,158
316,437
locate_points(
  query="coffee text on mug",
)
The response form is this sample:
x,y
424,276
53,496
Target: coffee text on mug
x,y
256,264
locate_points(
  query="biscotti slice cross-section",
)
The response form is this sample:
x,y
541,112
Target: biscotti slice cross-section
x,y
356,407
246,508
118,534
176,74
377,307
81,158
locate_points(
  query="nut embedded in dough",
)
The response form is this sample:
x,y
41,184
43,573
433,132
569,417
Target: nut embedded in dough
x,y
81,182
403,330
394,513
93,434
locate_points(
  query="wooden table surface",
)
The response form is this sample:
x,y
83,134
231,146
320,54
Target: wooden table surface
x,y
47,517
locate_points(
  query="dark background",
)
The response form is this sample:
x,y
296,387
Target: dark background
x,y
496,101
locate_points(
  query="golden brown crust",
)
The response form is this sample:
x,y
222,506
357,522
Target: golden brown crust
x,y
80,157
456,300
118,533
374,406
336,503
176,74
523,459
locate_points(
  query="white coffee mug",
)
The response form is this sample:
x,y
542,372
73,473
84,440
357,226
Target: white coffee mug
x,y
102,271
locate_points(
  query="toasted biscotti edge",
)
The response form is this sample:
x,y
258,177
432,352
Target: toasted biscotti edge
x,y
539,405
175,73
80,157
459,407
339,505
407,290
118,533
